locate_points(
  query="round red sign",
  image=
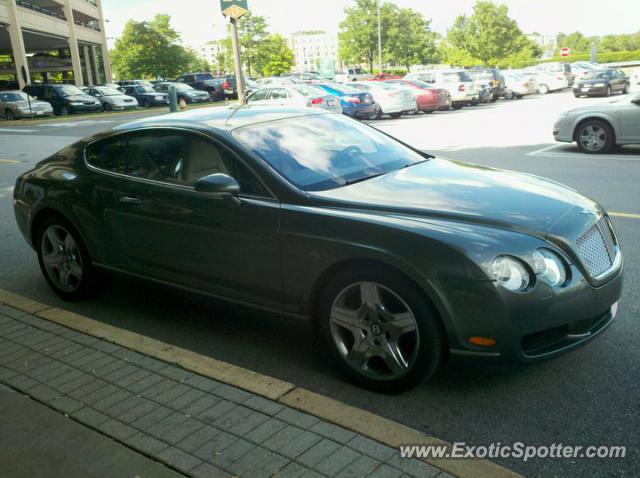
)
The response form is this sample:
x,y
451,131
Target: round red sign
x,y
564,52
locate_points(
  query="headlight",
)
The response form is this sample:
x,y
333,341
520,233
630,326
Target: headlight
x,y
549,267
75,103
510,273
599,85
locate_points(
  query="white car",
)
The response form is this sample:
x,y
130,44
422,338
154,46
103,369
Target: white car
x,y
111,98
297,96
458,83
277,80
517,85
598,128
546,82
352,74
636,76
392,100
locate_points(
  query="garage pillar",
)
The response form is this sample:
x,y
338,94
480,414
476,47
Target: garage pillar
x,y
96,70
18,51
104,48
73,45
87,65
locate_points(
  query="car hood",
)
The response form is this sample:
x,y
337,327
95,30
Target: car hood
x,y
591,82
82,98
455,190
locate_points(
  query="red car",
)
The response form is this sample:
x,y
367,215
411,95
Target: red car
x,y
384,77
427,99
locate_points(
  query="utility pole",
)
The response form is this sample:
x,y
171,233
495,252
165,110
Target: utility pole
x,y
379,40
236,59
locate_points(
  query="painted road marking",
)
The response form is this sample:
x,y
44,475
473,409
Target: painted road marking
x,y
547,152
16,130
628,215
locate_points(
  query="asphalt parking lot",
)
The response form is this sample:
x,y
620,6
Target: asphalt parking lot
x,y
589,397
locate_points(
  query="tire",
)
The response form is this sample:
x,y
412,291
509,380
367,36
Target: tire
x,y
9,115
64,260
457,106
625,90
145,103
378,114
107,107
509,95
543,89
608,92
396,115
594,137
417,341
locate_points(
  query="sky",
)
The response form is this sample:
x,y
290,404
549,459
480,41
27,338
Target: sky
x,y
200,20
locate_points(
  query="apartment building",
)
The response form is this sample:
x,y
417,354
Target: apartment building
x,y
43,38
312,49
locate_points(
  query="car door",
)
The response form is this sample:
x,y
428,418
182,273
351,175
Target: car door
x,y
630,121
160,227
51,96
279,96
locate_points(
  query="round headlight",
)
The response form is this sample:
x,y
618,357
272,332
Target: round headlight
x,y
510,273
549,267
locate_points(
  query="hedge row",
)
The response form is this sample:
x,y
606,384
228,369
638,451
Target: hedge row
x,y
604,57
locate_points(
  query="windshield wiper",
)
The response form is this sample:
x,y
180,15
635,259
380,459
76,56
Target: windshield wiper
x,y
364,178
417,162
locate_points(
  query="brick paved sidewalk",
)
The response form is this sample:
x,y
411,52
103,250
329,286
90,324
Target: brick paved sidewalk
x,y
196,425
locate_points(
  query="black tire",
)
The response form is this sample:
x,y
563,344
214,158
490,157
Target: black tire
x,y
425,359
543,89
84,287
608,92
509,95
605,133
9,115
64,111
145,103
378,114
625,90
107,106
457,106
396,115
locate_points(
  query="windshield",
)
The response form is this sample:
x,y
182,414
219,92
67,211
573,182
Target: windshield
x,y
145,89
321,152
456,77
204,76
597,75
309,90
344,89
68,90
106,91
10,97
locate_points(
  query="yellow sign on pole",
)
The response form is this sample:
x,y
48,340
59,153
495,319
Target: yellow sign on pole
x,y
234,8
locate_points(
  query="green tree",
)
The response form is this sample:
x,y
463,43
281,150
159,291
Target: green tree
x,y
358,36
410,40
274,57
150,50
575,41
488,37
252,32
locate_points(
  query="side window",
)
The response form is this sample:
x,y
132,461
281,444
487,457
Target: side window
x,y
258,95
108,155
188,79
161,87
49,92
279,94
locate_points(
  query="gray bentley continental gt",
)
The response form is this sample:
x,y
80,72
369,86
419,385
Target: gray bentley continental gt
x,y
398,258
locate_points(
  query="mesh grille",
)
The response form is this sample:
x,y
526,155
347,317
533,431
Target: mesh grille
x,y
596,248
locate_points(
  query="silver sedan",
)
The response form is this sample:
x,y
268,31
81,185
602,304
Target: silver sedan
x,y
599,128
17,104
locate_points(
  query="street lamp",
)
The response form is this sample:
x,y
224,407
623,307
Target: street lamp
x,y
379,41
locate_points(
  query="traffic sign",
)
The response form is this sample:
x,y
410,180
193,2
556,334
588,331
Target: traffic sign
x,y
234,8
564,52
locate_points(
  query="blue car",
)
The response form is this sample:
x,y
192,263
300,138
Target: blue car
x,y
355,103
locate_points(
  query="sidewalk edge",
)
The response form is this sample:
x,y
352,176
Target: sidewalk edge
x,y
368,424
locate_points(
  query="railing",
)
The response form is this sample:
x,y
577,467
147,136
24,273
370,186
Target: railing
x,y
36,8
92,25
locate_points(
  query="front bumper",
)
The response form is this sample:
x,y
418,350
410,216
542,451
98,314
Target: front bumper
x,y
526,327
85,108
360,111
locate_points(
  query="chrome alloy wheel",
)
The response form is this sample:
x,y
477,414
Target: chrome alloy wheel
x,y
593,137
61,258
375,331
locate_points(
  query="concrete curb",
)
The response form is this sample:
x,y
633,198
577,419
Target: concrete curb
x,y
363,422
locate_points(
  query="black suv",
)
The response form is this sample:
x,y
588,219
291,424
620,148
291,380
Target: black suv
x,y
205,82
64,98
492,78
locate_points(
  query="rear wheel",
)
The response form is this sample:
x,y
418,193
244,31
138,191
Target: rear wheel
x,y
625,90
380,329
9,115
594,136
64,260
107,106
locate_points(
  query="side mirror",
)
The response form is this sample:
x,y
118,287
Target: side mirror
x,y
217,184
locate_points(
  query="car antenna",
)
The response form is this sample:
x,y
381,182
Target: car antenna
x,y
226,123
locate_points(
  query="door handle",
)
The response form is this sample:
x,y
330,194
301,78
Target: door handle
x,y
129,200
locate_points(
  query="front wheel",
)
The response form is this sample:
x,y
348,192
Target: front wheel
x,y
543,89
594,137
625,90
64,260
380,329
9,115
608,92
395,115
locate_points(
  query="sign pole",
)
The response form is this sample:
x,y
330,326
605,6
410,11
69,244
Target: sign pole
x,y
236,57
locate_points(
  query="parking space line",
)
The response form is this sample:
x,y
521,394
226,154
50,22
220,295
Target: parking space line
x,y
546,148
15,130
10,161
627,215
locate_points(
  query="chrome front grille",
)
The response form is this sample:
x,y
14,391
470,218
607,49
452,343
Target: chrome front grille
x,y
597,248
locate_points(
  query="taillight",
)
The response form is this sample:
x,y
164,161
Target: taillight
x,y
317,101
225,85
461,88
352,99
